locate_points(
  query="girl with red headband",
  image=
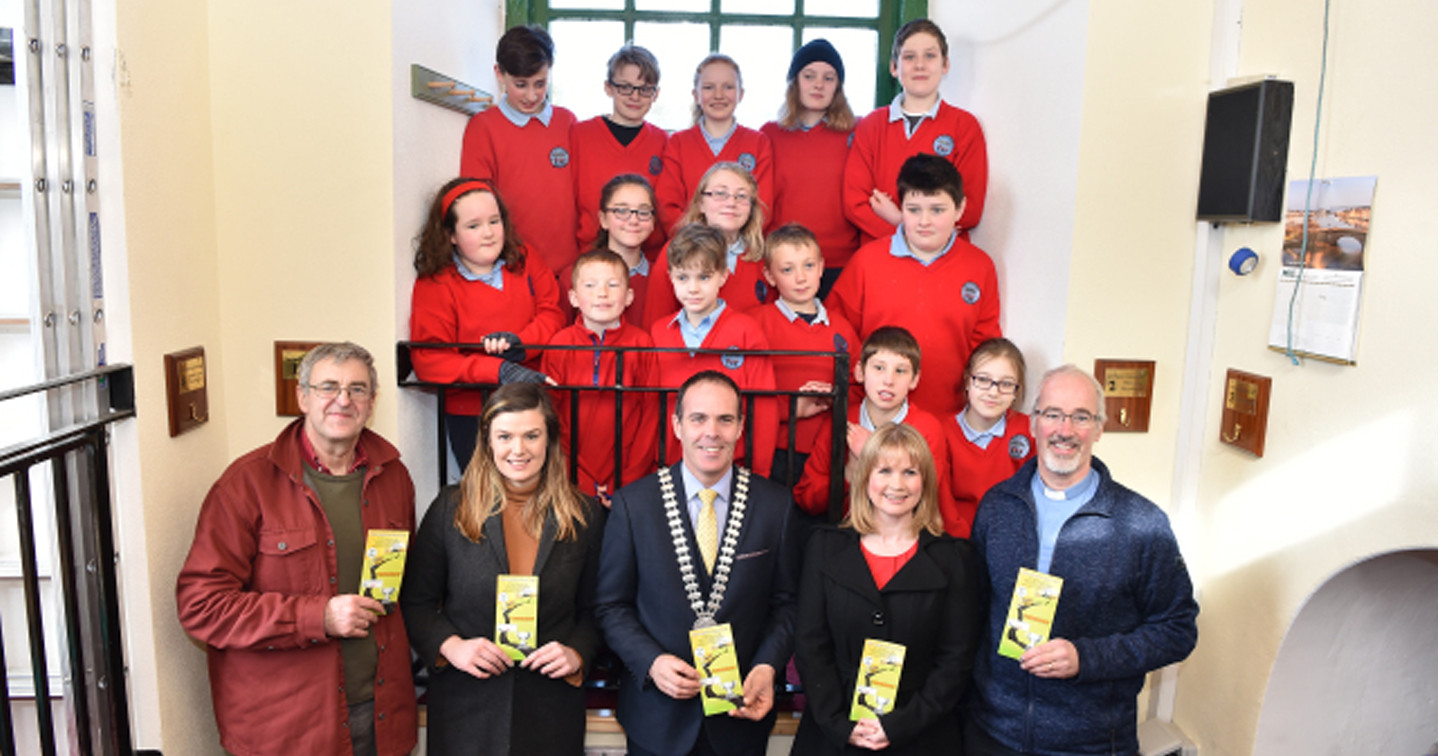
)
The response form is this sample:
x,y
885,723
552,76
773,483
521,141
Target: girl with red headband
x,y
475,283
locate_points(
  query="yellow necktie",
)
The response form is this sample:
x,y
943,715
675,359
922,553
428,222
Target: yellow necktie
x,y
707,530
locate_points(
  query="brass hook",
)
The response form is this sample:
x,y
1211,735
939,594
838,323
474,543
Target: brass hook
x,y
1125,417
1231,438
195,415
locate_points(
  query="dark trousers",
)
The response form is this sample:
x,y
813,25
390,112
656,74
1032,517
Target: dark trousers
x,y
461,430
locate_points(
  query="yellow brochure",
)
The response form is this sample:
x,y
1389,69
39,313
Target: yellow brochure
x,y
384,564
719,668
1032,611
517,604
878,680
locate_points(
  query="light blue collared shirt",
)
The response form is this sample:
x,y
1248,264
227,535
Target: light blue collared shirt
x,y
981,438
733,253
513,114
693,487
896,114
1053,508
821,316
869,425
717,144
694,335
643,269
494,277
901,248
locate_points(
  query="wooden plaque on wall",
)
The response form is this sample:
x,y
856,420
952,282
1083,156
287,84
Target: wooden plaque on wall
x,y
287,369
1247,411
1128,386
187,399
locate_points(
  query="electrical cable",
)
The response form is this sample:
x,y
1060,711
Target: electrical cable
x,y
1309,190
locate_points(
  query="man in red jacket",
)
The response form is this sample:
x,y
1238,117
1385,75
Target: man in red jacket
x,y
299,661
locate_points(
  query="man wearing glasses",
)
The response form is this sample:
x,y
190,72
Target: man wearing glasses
x,y
299,661
1126,605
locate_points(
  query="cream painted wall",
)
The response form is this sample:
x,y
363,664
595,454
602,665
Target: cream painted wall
x,y
1350,460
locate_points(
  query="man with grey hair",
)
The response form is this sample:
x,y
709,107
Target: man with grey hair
x,y
1126,605
300,662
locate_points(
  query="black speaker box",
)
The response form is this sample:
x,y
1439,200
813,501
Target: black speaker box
x,y
1247,141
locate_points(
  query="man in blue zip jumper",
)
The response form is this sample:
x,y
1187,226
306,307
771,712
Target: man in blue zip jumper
x,y
1126,606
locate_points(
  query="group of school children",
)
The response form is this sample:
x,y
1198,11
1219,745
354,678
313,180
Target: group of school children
x,y
867,253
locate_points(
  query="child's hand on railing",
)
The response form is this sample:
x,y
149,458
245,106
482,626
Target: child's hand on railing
x,y
810,406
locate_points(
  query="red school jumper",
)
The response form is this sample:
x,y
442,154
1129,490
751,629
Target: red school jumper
x,y
688,156
880,147
949,306
595,435
974,470
793,372
445,307
812,493
596,158
531,167
809,175
732,330
744,290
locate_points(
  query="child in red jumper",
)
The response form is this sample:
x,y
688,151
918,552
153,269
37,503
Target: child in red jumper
x,y
811,141
705,321
724,200
475,283
626,219
600,291
523,145
889,369
917,121
798,321
623,142
715,137
988,441
926,279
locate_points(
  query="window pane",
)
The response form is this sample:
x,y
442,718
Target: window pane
x,y
842,8
763,53
688,6
581,50
679,47
858,48
587,4
759,7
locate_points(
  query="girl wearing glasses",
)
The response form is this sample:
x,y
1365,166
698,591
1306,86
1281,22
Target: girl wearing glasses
x,y
626,220
726,198
811,139
716,137
622,142
988,440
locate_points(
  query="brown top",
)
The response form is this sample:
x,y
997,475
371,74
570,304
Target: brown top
x,y
521,546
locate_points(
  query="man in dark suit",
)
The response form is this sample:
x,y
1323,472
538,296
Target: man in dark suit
x,y
699,543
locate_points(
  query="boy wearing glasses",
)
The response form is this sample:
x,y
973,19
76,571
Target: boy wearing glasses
x,y
600,292
622,142
1126,606
926,279
271,584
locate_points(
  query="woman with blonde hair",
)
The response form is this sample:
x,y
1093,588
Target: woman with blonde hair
x,y
888,573
515,512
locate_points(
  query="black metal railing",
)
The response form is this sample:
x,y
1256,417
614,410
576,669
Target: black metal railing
x,y
77,458
840,390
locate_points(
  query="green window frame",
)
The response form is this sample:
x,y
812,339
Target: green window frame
x,y
893,14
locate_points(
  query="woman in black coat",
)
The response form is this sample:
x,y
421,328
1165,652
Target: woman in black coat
x,y
514,512
887,572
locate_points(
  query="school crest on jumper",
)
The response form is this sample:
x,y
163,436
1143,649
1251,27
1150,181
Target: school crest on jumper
x,y
1019,447
841,345
970,292
559,157
655,165
944,145
761,290
850,140
732,361
747,160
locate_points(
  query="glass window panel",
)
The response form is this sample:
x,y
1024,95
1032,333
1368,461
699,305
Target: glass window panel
x,y
844,9
587,4
858,48
582,49
687,6
759,7
763,53
679,47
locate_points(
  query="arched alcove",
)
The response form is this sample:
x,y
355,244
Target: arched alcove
x,y
1356,672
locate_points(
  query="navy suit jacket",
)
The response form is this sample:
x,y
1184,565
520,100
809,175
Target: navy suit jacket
x,y
643,612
